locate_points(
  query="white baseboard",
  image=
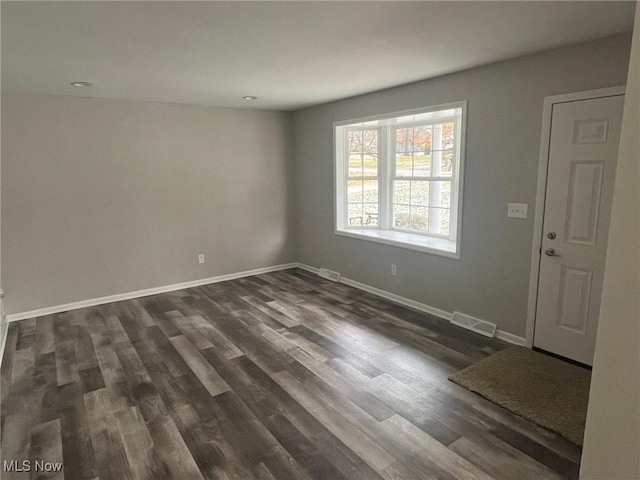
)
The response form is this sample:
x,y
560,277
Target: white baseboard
x,y
407,302
511,338
144,293
421,307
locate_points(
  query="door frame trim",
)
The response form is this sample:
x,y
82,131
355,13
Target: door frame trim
x,y
541,191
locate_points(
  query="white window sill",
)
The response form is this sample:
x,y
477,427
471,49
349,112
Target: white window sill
x,y
435,246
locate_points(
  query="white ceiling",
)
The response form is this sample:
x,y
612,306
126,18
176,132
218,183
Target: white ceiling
x,y
289,54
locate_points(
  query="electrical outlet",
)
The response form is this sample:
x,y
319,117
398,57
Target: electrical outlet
x,y
517,210
394,269
201,258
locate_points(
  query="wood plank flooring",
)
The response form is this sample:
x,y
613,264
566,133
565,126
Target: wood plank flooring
x,y
276,376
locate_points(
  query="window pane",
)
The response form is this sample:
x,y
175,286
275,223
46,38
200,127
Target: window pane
x,y
355,165
444,221
370,163
401,216
370,141
404,140
354,191
362,203
370,191
355,214
445,194
404,165
370,214
422,139
446,164
421,165
420,193
447,135
402,192
419,219
363,153
355,141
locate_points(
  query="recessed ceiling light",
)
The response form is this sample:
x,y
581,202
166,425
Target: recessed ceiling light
x,y
250,97
81,84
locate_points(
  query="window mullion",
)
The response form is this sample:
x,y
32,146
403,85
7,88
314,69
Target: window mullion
x,y
391,168
347,178
383,169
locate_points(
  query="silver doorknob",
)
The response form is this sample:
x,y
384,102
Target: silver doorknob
x,y
550,252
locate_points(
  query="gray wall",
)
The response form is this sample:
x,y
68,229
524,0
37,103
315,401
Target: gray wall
x,y
612,435
101,197
502,146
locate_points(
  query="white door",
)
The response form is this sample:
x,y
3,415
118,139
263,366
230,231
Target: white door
x,y
583,151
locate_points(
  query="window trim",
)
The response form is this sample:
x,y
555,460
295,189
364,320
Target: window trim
x,y
384,234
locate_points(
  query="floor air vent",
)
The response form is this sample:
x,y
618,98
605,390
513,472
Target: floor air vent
x,y
329,274
475,325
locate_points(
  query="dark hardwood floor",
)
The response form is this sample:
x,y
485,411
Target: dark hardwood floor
x,y
276,376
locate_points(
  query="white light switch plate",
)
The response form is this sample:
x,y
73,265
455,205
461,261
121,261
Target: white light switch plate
x,y
517,210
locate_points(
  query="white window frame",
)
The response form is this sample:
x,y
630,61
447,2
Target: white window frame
x,y
385,232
